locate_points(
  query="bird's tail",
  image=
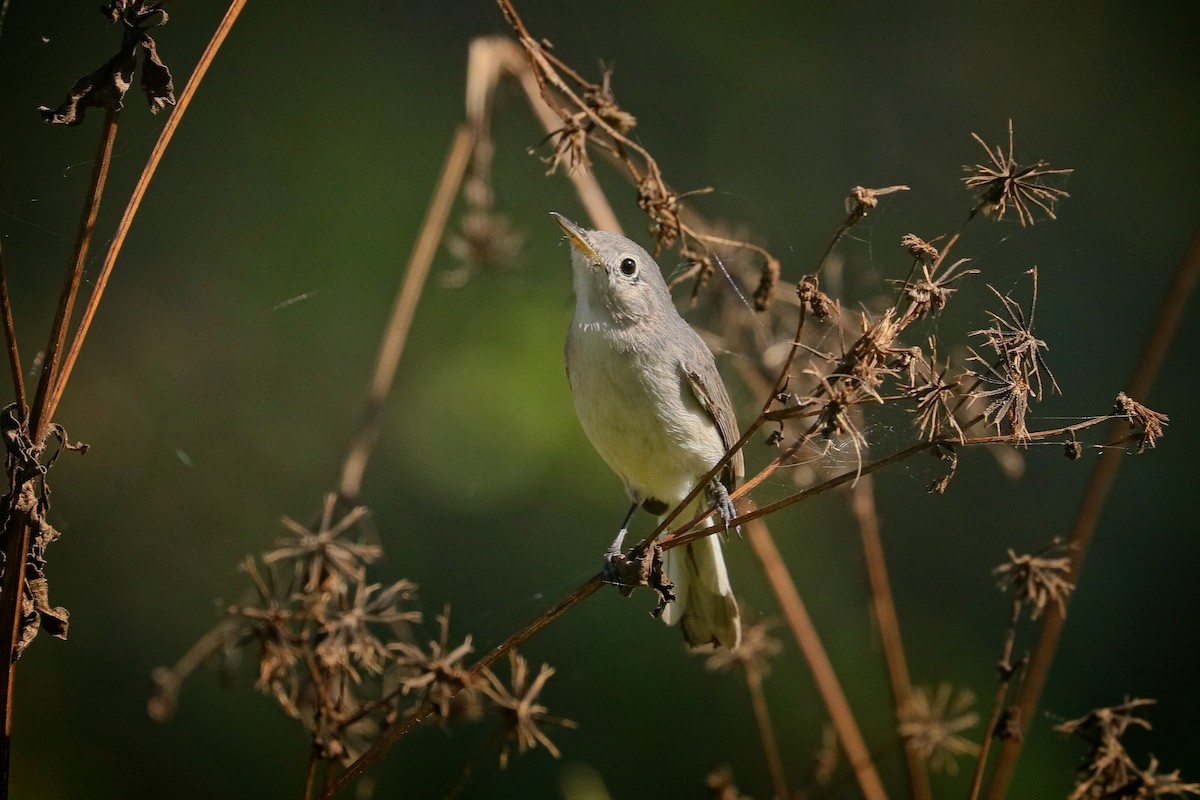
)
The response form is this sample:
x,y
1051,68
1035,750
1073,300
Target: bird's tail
x,y
704,604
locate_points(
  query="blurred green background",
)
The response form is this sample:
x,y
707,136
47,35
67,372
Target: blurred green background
x,y
304,167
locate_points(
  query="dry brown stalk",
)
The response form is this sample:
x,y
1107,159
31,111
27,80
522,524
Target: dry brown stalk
x,y
1170,312
766,732
135,199
56,371
10,339
41,412
394,339
859,757
862,503
17,524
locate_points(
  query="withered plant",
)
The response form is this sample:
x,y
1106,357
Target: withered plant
x,y
337,646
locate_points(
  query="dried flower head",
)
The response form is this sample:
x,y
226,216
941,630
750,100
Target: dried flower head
x,y
1005,184
1109,771
930,723
933,393
861,200
1147,424
600,99
484,240
570,146
1038,579
1012,338
516,702
752,653
825,760
438,672
764,293
929,293
346,641
810,294
323,558
922,251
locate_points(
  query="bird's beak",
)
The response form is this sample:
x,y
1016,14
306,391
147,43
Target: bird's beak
x,y
577,236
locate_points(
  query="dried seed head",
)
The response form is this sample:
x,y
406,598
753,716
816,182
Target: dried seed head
x,y
516,703
764,293
931,721
1147,424
1109,771
756,647
439,672
1005,184
1038,579
920,249
810,294
600,99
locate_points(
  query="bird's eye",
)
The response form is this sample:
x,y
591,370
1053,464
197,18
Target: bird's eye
x,y
628,266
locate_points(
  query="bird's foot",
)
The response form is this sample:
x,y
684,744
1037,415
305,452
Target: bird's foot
x,y
725,506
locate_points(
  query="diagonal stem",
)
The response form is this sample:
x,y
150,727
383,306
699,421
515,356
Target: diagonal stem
x,y
42,409
405,308
1170,313
135,200
766,732
862,502
859,757
10,338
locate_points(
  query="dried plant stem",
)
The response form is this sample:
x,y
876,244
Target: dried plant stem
x,y
824,676
766,732
396,336
135,200
42,410
310,775
1006,672
1170,313
17,525
862,502
10,339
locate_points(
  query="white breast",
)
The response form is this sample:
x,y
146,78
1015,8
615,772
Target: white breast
x,y
638,412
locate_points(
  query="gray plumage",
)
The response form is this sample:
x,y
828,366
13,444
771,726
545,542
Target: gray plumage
x,y
650,399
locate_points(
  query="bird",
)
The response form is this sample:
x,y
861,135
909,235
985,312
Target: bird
x,y
651,401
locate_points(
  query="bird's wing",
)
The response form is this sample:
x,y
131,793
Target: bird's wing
x,y
710,391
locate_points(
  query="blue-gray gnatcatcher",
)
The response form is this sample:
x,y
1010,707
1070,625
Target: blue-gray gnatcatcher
x,y
651,401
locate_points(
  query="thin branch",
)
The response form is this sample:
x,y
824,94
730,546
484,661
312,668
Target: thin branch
x,y
135,199
1006,672
766,732
862,502
42,410
10,338
394,339
1170,313
818,661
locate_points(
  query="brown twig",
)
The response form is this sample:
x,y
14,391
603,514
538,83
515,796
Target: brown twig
x,y
135,200
766,732
17,524
1006,672
1170,312
10,338
396,336
862,502
857,753
42,411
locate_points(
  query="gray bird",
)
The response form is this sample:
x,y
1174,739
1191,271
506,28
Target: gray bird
x,y
650,399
